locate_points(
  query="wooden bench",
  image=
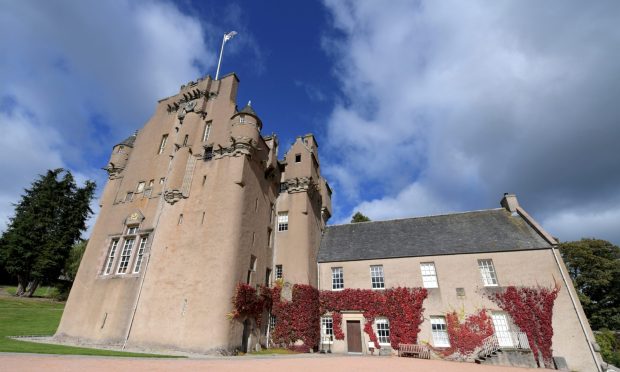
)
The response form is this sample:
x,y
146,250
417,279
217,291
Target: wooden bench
x,y
413,350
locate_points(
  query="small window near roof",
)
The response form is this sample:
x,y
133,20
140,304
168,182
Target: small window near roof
x,y
297,158
376,277
429,275
487,271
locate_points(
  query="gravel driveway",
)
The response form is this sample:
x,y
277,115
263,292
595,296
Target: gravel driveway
x,y
324,363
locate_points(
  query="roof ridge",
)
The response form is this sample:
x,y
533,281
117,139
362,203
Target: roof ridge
x,y
417,217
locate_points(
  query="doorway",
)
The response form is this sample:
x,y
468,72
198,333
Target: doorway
x,y
354,336
245,341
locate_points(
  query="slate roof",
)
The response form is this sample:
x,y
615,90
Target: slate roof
x,y
494,230
129,141
248,110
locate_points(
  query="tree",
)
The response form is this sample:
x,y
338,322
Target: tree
x,y
359,217
594,267
48,220
73,261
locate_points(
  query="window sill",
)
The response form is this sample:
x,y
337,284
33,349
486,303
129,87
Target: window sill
x,y
337,289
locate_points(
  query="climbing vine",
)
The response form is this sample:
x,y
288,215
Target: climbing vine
x,y
248,302
402,306
467,335
531,309
299,319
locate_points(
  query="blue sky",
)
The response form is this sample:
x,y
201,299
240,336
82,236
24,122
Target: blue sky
x,y
419,107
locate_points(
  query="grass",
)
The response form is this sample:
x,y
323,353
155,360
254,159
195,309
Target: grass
x,y
274,351
36,317
46,292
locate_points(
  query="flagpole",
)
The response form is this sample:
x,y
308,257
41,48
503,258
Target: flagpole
x,y
227,36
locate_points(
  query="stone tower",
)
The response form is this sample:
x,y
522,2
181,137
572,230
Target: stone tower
x,y
196,202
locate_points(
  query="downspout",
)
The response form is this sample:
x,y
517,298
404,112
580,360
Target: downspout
x,y
148,257
581,323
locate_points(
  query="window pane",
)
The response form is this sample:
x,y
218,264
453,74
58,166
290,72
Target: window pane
x,y
282,221
278,271
207,131
111,255
383,331
337,278
125,255
429,275
140,254
439,331
327,329
376,277
487,271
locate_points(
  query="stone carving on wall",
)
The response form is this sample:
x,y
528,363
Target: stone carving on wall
x,y
173,196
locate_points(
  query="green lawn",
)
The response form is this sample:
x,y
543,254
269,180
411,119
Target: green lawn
x,y
273,351
36,317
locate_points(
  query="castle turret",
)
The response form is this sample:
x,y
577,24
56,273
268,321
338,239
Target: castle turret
x,y
120,155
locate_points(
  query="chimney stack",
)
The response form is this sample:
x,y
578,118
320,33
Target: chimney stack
x,y
509,201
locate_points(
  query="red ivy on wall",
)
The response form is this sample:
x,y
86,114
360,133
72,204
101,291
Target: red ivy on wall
x,y
531,310
402,307
467,336
248,302
299,319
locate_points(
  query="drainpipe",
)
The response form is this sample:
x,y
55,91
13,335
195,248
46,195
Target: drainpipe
x,y
148,258
581,322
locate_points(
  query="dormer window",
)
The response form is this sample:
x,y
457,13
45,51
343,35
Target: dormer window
x,y
241,119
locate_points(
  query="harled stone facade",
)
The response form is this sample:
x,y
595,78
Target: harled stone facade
x,y
197,201
191,209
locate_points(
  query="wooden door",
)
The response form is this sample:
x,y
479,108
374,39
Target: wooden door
x,y
354,336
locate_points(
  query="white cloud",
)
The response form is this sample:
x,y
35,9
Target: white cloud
x,y
77,76
465,101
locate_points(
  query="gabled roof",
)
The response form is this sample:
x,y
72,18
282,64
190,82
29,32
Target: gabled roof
x,y
494,230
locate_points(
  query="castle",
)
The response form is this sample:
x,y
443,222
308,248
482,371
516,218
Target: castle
x,y
197,202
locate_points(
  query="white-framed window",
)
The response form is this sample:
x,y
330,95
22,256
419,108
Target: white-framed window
x,y
132,230
337,278
111,255
429,275
272,322
162,144
207,131
278,271
242,119
140,254
487,271
383,331
439,331
283,221
125,255
376,277
140,187
327,330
